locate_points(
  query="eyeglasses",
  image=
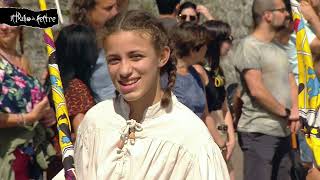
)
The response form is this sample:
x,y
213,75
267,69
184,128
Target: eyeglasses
x,y
282,10
183,17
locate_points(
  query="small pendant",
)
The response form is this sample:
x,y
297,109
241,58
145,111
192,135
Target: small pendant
x,y
132,137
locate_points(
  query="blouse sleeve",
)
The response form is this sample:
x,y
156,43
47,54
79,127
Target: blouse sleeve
x,y
84,152
78,98
209,164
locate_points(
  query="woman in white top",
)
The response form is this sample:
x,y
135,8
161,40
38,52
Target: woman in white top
x,y
143,133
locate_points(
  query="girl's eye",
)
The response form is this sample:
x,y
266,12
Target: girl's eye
x,y
136,57
113,61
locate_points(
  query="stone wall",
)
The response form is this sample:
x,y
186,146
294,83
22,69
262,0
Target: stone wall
x,y
236,12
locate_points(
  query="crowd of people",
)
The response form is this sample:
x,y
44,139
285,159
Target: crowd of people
x,y
148,98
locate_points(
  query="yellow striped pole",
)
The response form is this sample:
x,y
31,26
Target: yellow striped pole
x,y
63,125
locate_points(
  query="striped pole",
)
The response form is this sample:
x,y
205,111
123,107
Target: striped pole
x,y
62,116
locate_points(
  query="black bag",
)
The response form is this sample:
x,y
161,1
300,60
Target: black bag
x,y
297,171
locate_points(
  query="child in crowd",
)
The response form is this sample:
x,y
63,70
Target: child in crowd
x,y
144,132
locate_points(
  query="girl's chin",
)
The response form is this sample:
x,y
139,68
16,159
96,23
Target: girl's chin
x,y
130,97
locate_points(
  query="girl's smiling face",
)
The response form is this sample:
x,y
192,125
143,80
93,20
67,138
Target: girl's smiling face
x,y
134,64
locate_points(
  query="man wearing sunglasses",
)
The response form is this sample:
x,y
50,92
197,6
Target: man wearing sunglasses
x,y
269,95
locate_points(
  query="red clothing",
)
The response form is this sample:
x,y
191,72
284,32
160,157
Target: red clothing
x,y
78,98
20,165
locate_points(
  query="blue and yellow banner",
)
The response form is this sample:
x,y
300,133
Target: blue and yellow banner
x,y
309,85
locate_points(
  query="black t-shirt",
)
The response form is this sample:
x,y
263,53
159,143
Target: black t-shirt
x,y
215,95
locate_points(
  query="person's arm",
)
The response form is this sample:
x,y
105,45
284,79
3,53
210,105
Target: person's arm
x,y
315,46
205,12
231,134
8,120
76,122
294,116
207,117
310,15
212,127
259,92
14,120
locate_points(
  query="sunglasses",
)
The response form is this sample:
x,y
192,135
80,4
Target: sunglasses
x,y
183,17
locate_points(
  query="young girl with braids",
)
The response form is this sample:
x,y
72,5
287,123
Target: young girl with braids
x,y
144,132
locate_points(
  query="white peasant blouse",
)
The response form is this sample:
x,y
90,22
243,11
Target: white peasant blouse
x,y
171,143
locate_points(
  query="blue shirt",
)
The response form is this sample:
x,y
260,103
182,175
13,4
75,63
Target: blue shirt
x,y
100,81
189,91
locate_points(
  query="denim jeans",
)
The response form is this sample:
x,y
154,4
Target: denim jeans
x,y
305,153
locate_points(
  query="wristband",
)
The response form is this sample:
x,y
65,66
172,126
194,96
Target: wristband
x,y
288,113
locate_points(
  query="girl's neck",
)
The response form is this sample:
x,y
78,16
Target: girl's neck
x,y
138,108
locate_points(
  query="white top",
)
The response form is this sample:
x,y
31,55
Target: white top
x,y
169,145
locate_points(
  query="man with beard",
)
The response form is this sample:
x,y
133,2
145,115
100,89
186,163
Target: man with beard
x,y
269,95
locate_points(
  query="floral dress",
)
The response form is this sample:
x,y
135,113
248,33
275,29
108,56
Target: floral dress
x,y
19,93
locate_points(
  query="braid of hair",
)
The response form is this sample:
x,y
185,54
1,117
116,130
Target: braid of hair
x,y
80,9
82,18
171,70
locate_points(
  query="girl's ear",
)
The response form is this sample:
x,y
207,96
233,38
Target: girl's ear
x,y
164,56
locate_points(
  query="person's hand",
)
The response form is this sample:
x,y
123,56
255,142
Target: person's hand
x,y
293,120
204,11
294,115
230,148
49,118
307,11
294,126
38,111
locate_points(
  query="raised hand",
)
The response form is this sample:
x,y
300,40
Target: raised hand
x,y
204,11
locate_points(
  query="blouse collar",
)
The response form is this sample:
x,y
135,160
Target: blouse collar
x,y
151,112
